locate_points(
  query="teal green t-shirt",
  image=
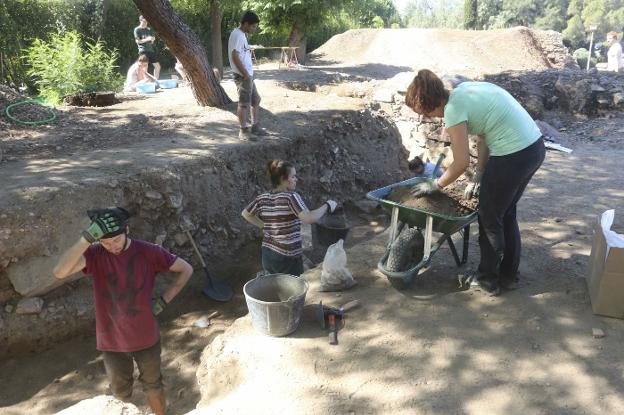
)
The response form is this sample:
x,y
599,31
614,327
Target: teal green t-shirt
x,y
490,110
141,33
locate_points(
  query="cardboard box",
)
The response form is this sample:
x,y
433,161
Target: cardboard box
x,y
606,276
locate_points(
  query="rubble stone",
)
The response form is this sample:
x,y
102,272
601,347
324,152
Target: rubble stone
x,y
30,306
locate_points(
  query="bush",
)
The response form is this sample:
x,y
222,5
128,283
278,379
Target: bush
x,y
63,66
581,56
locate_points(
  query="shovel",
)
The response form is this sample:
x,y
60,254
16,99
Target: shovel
x,y
216,289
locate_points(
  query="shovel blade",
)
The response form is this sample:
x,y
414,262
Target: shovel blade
x,y
217,290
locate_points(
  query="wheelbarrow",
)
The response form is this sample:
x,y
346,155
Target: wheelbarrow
x,y
443,226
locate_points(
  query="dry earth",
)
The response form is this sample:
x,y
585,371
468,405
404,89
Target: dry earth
x,y
433,349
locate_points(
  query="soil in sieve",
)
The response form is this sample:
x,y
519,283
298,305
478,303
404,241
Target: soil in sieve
x,y
445,203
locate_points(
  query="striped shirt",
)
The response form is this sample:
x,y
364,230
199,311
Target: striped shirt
x,y
282,227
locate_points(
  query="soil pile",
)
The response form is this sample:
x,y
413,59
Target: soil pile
x,y
449,51
443,203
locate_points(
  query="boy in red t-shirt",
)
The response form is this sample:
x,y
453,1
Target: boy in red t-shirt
x,y
123,272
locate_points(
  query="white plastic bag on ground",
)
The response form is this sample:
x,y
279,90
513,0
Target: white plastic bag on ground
x,y
614,239
335,275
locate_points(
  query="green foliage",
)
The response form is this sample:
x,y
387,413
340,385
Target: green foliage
x,y
470,14
581,56
575,31
378,22
64,66
554,16
429,13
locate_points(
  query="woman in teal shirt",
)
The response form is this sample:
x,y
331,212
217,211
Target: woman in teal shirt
x,y
510,150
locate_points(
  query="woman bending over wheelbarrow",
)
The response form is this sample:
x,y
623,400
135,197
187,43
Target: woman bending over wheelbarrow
x,y
279,214
510,150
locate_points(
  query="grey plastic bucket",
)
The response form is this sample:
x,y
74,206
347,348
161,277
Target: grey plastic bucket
x,y
275,302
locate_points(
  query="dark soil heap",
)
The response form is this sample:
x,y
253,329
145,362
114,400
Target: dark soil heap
x,y
447,203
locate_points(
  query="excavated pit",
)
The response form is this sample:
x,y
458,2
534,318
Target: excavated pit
x,y
207,191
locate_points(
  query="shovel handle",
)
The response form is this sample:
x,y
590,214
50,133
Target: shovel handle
x,y
201,259
333,334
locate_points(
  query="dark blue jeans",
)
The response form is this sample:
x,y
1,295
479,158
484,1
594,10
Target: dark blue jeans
x,y
275,263
502,185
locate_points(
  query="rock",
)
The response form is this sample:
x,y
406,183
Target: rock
x,y
186,223
160,238
101,405
574,95
1,323
180,239
176,201
202,323
152,194
598,333
384,95
408,113
534,106
34,277
548,130
8,308
597,88
30,306
618,98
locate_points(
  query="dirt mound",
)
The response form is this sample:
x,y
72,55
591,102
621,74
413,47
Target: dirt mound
x,y
441,203
449,51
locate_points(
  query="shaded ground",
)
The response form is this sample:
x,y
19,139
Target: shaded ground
x,y
72,371
436,349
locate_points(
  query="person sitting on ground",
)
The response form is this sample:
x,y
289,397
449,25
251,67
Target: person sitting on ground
x,y
239,53
279,214
124,272
137,74
614,55
510,150
144,38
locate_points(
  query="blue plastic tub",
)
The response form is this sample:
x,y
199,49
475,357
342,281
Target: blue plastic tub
x,y
148,88
167,83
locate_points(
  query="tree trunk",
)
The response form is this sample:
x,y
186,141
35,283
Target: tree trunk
x,y
103,14
215,36
297,38
187,47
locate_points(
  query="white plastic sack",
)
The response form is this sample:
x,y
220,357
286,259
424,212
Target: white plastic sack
x,y
335,275
614,239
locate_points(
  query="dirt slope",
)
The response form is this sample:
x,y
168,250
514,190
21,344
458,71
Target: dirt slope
x,y
445,50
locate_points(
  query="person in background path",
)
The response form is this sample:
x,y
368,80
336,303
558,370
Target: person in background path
x,y
239,54
137,74
144,38
510,150
279,214
614,55
126,327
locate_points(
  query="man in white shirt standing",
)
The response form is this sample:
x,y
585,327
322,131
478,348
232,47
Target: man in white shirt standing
x,y
239,54
614,55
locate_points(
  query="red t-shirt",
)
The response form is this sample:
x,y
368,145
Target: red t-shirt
x,y
122,288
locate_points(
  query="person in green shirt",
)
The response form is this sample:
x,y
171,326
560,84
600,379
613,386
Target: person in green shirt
x,y
510,150
144,38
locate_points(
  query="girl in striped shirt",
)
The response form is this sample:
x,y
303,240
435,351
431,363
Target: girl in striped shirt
x,y
279,214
